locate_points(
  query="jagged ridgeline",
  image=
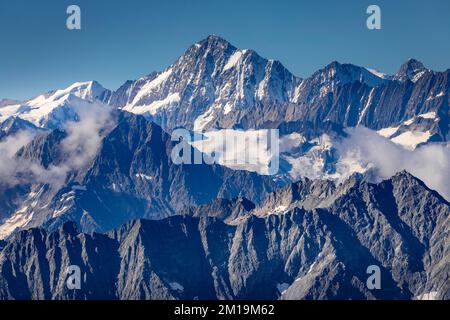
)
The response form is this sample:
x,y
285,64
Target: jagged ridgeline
x,y
130,176
216,85
322,253
87,179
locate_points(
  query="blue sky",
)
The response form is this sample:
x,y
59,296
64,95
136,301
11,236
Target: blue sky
x,y
123,40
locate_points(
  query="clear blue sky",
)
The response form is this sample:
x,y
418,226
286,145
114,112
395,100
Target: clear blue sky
x,y
123,40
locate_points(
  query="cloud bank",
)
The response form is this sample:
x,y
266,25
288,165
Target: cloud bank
x,y
383,158
79,147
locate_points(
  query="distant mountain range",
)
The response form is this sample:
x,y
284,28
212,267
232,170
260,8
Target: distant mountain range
x,y
215,85
89,170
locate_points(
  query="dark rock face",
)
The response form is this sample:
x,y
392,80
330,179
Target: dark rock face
x,y
40,262
14,125
399,225
220,86
224,209
132,176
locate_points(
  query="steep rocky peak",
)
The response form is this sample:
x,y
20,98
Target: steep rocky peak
x,y
410,70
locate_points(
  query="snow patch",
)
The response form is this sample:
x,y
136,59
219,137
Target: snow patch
x,y
279,210
143,176
228,108
440,94
428,115
388,132
428,296
176,286
252,155
418,76
366,107
59,212
153,107
205,118
411,139
18,220
409,122
150,86
233,60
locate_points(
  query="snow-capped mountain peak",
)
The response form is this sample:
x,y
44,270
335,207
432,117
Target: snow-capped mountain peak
x,y
217,85
53,109
209,81
90,90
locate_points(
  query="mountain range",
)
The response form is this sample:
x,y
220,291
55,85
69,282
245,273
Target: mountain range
x,y
215,85
321,253
87,179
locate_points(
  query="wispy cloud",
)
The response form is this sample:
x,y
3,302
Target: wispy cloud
x,y
79,147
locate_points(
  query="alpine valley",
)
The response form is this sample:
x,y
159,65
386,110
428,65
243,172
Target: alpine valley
x,y
87,179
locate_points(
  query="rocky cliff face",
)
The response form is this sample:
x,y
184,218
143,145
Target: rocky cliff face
x,y
53,109
215,85
212,80
233,238
131,176
399,225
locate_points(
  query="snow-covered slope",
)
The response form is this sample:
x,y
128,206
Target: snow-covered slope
x,y
51,110
413,132
213,79
215,85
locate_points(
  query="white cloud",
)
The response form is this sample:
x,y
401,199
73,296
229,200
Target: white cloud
x,y
84,136
8,148
79,148
430,163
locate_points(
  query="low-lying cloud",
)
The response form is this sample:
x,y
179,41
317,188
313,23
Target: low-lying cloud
x,y
383,158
